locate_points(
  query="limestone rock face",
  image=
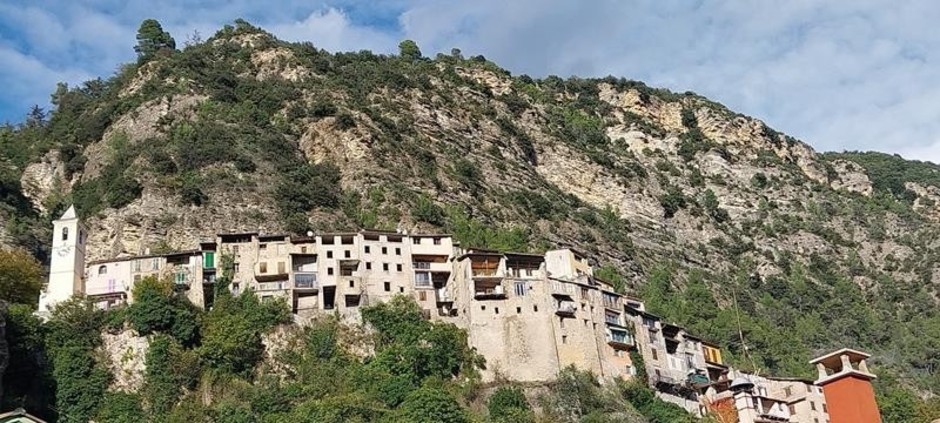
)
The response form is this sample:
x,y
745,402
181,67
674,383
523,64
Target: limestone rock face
x,y
126,352
43,179
851,178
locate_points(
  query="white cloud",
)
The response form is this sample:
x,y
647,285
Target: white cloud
x,y
838,74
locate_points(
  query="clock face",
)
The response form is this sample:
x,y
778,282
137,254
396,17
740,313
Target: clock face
x,y
64,251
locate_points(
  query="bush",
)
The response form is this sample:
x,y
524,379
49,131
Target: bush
x,y
430,405
121,407
508,404
468,174
426,211
232,331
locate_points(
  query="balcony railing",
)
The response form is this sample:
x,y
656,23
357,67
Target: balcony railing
x,y
421,265
566,309
423,280
305,280
620,341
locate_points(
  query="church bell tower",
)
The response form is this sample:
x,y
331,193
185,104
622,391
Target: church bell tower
x,y
67,267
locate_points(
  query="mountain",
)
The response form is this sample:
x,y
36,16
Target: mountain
x,y
739,232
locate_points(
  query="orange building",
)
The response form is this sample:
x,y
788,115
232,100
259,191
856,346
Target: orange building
x,y
846,383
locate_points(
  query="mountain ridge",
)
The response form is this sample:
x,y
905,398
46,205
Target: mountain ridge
x,y
702,211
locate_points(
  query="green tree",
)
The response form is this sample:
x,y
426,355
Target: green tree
x,y
151,39
431,405
21,277
409,50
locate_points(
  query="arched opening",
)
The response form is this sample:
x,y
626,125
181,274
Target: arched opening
x,y
102,270
65,234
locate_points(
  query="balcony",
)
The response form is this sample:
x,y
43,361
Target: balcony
x,y
566,309
620,340
562,290
423,280
699,379
431,266
488,289
272,286
306,281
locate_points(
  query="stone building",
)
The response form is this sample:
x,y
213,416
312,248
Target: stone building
x,y
532,315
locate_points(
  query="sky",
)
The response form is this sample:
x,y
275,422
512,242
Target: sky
x,y
837,74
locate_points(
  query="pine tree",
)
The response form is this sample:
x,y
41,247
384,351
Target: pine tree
x,y
151,38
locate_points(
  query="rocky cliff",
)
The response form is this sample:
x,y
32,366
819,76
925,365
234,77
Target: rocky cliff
x,y
675,196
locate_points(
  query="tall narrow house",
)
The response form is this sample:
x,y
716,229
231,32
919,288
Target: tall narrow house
x,y
67,267
846,383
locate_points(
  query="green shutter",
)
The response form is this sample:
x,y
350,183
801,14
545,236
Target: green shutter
x,y
209,260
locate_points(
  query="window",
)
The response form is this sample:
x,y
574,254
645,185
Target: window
x,y
496,309
303,250
483,307
415,241
155,264
787,391
65,234
385,267
352,284
423,296
136,265
564,339
329,270
519,288
263,247
367,249
234,249
401,289
384,250
388,286
792,409
264,267
235,267
561,322
653,353
281,268
103,270
329,254
518,310
809,389
826,409
397,251
347,254
437,241
136,278
812,405
398,267
535,308
368,265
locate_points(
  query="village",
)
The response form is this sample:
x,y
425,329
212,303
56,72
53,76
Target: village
x,y
529,315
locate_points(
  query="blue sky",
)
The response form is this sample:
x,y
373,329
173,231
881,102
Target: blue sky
x,y
837,74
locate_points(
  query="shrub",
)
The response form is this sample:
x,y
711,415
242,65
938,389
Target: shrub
x,y
431,405
427,211
121,407
508,404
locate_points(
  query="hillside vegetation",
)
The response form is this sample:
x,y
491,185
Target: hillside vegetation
x,y
744,235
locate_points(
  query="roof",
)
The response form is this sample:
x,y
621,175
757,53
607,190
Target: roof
x,y
789,379
69,214
20,415
834,357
